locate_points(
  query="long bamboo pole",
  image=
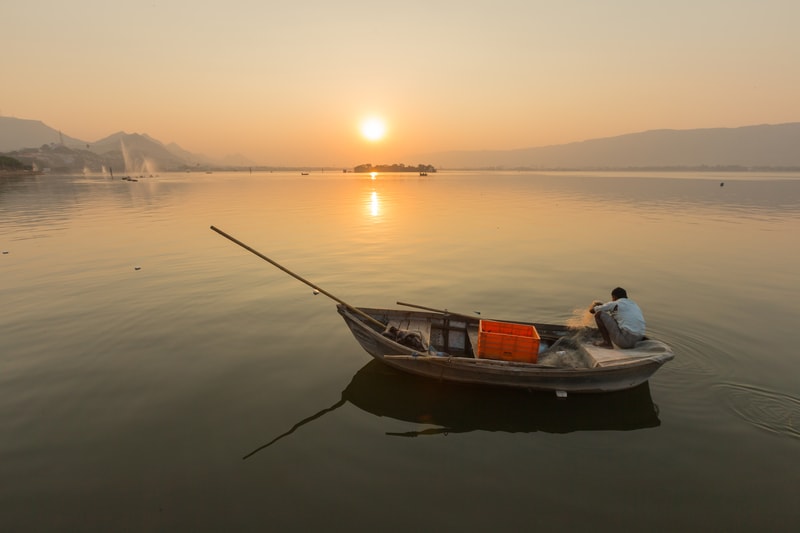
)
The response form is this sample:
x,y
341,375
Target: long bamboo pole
x,y
355,310
442,311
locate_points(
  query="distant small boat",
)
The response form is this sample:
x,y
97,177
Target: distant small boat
x,y
304,173
423,173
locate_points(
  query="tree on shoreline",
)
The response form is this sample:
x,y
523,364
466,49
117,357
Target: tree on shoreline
x,y
9,163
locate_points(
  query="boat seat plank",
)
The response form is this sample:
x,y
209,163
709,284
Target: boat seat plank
x,y
616,356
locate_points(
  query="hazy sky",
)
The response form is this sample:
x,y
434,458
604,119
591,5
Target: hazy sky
x,y
289,82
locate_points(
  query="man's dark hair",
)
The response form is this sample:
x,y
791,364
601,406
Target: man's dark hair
x,y
619,292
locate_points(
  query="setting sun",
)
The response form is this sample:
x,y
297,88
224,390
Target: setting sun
x,y
373,129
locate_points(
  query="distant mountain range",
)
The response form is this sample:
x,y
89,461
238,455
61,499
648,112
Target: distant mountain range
x,y
748,146
33,142
762,146
16,134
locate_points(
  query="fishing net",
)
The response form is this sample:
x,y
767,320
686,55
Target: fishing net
x,y
566,352
411,339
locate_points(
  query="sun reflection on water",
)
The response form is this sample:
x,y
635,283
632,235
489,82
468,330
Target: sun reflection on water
x,y
374,204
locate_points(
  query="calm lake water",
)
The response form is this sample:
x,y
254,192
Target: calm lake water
x,y
156,377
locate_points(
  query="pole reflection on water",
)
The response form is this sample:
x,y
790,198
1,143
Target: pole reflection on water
x,y
384,391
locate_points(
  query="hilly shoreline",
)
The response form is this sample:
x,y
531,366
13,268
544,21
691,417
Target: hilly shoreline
x,y
744,148
763,147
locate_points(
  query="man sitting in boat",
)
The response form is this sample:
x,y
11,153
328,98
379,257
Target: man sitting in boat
x,y
619,320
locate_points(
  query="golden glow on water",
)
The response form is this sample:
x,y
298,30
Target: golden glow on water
x,y
374,204
160,355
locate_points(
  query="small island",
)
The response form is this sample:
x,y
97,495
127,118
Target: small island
x,y
369,167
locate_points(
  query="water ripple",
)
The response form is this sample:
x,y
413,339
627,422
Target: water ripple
x,y
695,358
765,409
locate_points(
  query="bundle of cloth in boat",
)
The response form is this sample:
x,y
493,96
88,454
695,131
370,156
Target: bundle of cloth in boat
x,y
412,339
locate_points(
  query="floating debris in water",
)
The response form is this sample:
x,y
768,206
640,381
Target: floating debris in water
x,y
722,184
315,292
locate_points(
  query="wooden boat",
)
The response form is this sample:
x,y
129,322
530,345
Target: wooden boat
x,y
568,362
446,346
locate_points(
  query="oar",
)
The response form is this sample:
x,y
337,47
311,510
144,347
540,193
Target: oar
x,y
359,312
442,311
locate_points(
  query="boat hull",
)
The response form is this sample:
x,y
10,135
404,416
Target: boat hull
x,y
468,369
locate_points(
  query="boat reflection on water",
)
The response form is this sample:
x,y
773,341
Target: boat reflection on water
x,y
455,408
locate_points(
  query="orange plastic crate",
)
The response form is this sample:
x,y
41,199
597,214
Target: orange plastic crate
x,y
508,341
